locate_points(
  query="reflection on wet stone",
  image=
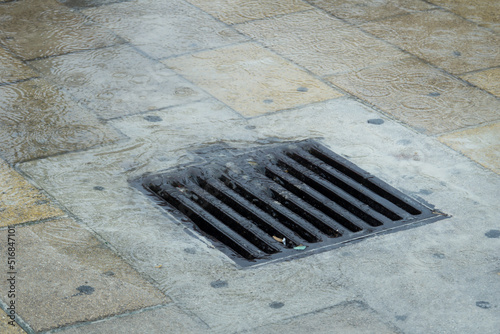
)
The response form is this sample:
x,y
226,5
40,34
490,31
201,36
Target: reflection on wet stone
x,y
483,304
219,284
118,81
164,28
493,234
153,119
38,120
47,28
402,89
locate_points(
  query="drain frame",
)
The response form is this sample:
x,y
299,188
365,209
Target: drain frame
x,y
245,201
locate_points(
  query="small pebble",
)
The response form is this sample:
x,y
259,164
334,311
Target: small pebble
x,y
218,284
483,304
99,188
302,89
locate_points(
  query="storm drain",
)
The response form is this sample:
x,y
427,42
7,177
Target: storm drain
x,y
284,201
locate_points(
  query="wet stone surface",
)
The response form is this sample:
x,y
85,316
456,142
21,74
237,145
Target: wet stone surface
x,y
60,277
21,202
237,11
118,81
321,43
481,144
436,35
41,28
164,28
38,120
403,89
251,79
12,69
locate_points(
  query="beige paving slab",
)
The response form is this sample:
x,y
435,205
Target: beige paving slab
x,y
12,69
238,11
162,320
485,12
21,202
488,80
40,28
481,144
350,317
251,79
65,275
442,38
118,81
38,120
320,43
6,326
421,96
360,11
164,28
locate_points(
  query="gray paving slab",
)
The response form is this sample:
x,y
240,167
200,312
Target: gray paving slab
x,y
64,275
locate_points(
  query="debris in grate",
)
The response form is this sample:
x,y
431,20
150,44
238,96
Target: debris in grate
x,y
284,201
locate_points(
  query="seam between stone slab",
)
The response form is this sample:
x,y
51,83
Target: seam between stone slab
x,y
475,126
27,61
364,307
462,17
18,81
480,70
103,319
19,320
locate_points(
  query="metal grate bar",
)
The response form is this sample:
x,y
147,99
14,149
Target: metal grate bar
x,y
309,212
208,223
232,219
251,212
366,179
365,195
284,215
332,192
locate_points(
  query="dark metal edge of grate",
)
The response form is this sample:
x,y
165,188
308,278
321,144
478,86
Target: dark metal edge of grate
x,y
250,160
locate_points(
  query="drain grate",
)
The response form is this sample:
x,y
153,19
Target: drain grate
x,y
285,201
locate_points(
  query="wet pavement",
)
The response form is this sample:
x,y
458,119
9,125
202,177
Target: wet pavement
x,y
97,93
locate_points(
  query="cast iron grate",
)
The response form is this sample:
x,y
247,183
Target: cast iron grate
x,y
285,201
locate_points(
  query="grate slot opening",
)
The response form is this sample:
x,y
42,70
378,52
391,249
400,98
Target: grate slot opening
x,y
229,222
365,182
346,187
245,212
326,192
310,200
301,212
202,223
278,215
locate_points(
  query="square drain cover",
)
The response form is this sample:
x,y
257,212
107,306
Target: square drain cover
x,y
284,201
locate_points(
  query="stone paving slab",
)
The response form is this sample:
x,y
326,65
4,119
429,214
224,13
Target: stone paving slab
x,y
361,11
231,11
21,202
488,80
481,144
37,119
118,81
169,319
485,12
320,43
164,29
12,69
441,38
7,328
65,275
41,28
421,96
251,79
349,317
